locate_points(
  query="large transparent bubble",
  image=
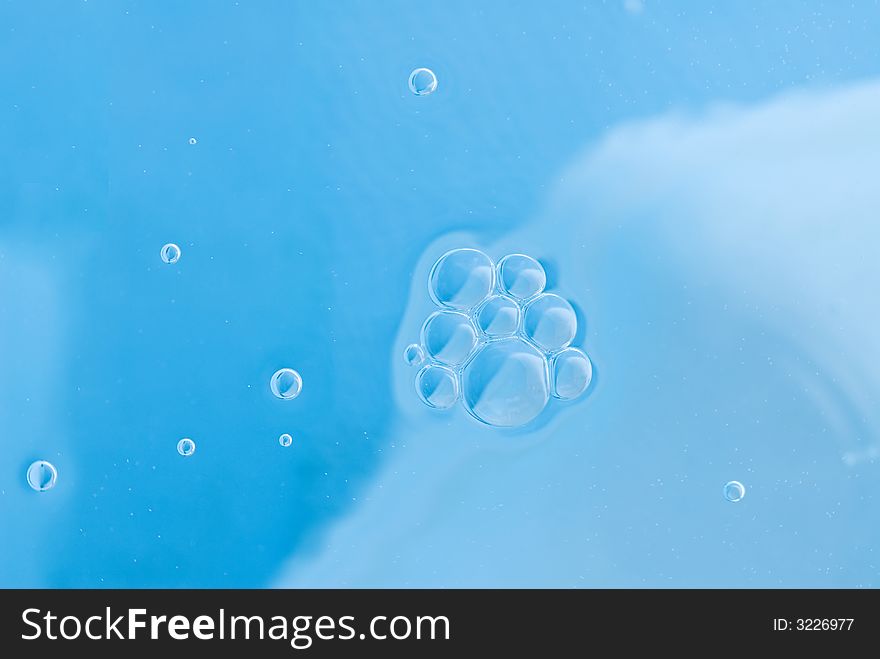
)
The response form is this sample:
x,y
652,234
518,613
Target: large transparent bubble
x,y
498,316
571,373
449,337
521,276
506,383
437,386
550,321
461,279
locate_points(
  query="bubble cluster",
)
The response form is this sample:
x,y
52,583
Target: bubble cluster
x,y
42,475
186,447
286,384
170,253
499,343
734,491
422,82
285,439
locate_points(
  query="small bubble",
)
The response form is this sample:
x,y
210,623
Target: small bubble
x,y
461,279
186,447
437,386
498,316
170,253
550,322
422,82
41,475
734,491
449,337
413,355
193,140
286,384
521,276
572,372
285,440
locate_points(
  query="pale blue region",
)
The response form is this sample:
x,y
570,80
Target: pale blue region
x,y
706,259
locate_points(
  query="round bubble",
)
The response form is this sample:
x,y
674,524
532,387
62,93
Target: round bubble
x,y
422,82
285,440
521,276
571,373
170,253
286,384
193,140
461,279
449,337
42,475
186,447
413,355
437,386
498,316
734,491
550,321
506,383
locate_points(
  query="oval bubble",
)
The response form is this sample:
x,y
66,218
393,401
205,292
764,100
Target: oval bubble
x,y
170,253
186,447
550,321
286,384
521,276
734,491
422,82
498,316
506,383
571,373
42,475
413,355
449,337
461,279
437,386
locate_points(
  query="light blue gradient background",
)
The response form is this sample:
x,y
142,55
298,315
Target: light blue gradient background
x,y
698,177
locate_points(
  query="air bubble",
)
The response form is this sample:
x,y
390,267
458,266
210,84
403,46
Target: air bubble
x,y
186,447
422,82
41,475
437,386
449,337
521,276
498,316
413,355
550,321
170,253
286,384
734,491
506,383
572,372
285,440
461,279
193,140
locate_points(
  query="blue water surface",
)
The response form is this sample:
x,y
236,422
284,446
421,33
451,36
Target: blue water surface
x,y
698,178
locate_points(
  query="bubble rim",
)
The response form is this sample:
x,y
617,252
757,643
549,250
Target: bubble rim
x,y
180,444
412,77
276,392
52,480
